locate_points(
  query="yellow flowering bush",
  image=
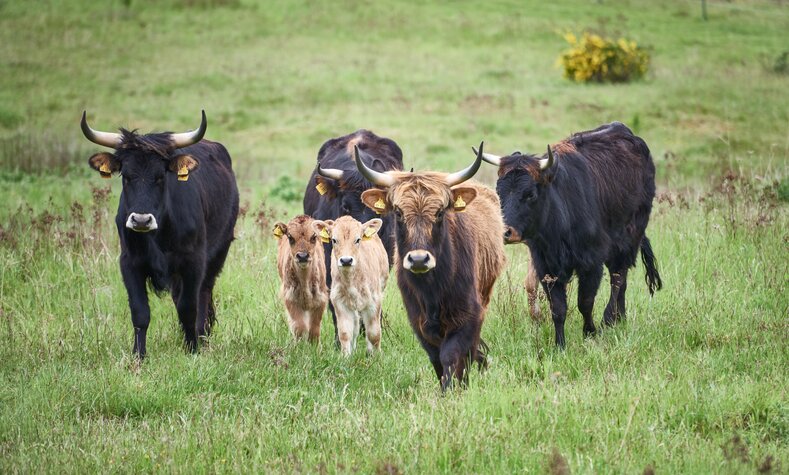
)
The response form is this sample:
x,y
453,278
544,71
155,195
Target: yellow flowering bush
x,y
600,59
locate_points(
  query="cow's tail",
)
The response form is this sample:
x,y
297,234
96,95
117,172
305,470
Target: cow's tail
x,y
650,264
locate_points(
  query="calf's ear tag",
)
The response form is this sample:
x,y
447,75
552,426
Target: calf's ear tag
x,y
324,235
277,231
460,205
321,187
183,173
369,233
105,170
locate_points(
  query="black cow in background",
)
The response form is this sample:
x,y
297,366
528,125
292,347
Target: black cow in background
x,y
335,186
175,220
583,204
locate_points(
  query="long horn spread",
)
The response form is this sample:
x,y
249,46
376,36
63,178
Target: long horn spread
x,y
468,172
332,173
489,157
374,177
546,163
106,139
192,137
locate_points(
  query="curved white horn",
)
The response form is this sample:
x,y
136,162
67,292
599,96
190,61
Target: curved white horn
x,y
468,172
332,173
374,177
106,139
489,157
185,139
546,163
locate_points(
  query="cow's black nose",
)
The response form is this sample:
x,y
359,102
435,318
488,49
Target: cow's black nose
x,y
302,256
346,261
141,222
420,260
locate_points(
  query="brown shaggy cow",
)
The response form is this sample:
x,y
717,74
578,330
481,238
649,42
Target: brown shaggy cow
x,y
301,268
359,271
449,254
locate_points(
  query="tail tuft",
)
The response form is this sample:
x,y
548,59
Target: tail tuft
x,y
652,277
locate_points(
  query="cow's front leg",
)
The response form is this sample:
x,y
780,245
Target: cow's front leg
x,y
134,280
371,319
188,305
347,327
455,351
557,293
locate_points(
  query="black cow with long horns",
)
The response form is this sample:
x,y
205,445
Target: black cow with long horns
x,y
175,220
449,254
585,203
335,186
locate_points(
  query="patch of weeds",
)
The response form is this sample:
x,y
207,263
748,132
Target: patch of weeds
x,y
287,189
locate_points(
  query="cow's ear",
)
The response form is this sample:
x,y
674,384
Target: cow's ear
x,y
371,228
326,186
323,229
280,229
182,165
105,163
375,199
462,196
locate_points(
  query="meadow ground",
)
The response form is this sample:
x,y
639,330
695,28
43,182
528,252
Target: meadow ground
x,y
693,382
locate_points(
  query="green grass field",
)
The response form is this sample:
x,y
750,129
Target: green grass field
x,y
693,382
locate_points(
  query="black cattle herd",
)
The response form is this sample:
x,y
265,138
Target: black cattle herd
x,y
584,204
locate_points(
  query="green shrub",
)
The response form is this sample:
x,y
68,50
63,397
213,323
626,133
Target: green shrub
x,y
599,59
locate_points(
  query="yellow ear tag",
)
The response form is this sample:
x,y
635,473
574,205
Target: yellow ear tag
x,y
460,205
379,205
183,173
105,170
369,233
278,231
325,237
321,187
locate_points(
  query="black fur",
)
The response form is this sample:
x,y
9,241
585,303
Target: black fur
x,y
590,208
195,221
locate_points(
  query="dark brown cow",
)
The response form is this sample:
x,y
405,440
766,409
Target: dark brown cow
x,y
449,253
585,203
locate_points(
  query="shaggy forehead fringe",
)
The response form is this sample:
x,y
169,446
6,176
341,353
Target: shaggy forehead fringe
x,y
161,144
416,190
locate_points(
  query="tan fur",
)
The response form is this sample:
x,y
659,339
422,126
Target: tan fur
x,y
357,291
303,290
352,143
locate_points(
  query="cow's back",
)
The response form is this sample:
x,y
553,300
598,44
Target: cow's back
x,y
482,222
620,166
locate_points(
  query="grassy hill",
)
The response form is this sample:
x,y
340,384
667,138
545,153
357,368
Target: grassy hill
x,y
693,382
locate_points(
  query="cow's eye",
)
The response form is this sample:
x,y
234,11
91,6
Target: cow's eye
x,y
358,240
398,214
333,241
529,195
159,180
291,240
313,238
440,215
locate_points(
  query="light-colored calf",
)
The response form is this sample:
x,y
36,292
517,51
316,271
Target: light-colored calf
x,y
301,267
359,271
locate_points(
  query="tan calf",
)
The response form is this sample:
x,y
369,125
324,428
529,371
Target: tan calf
x,y
359,271
301,267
